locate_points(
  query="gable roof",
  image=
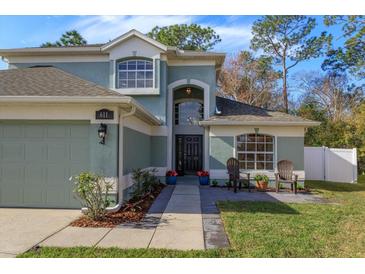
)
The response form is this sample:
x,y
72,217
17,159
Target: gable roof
x,y
134,33
230,112
48,81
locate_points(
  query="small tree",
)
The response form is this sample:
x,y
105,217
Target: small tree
x,y
93,192
188,37
249,79
69,38
286,38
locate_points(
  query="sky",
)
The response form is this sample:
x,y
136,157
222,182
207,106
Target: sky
x,y
235,31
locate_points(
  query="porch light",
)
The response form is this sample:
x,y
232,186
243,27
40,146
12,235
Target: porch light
x,y
188,91
102,133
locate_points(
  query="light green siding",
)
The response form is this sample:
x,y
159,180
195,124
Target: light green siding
x,y
97,72
157,104
158,151
221,149
136,150
142,151
104,158
37,160
291,148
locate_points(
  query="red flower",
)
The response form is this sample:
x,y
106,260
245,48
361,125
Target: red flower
x,y
171,173
202,173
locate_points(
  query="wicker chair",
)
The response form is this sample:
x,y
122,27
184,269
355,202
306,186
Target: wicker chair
x,y
285,175
233,170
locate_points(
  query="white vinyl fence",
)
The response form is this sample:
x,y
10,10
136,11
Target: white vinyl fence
x,y
330,164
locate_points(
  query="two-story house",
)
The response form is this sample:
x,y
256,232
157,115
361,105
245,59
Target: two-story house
x,y
130,103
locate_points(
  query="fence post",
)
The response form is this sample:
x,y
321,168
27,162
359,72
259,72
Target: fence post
x,y
354,165
324,163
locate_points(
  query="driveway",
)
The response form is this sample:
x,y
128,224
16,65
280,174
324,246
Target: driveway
x,y
21,229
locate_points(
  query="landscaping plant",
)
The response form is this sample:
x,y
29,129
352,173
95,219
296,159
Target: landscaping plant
x,y
214,183
93,192
262,181
145,182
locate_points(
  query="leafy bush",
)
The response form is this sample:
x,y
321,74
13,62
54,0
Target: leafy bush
x,y
93,192
261,178
228,184
145,182
214,183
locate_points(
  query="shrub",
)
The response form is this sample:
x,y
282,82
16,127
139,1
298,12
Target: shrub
x,y
261,178
228,184
93,192
214,183
145,182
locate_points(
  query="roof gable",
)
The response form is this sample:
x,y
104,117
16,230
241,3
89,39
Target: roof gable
x,y
130,34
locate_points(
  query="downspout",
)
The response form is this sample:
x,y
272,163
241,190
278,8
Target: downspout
x,y
120,145
120,161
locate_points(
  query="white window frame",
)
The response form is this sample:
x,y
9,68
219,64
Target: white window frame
x,y
255,152
184,100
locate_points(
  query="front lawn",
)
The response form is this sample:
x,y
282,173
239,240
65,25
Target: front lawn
x,y
264,229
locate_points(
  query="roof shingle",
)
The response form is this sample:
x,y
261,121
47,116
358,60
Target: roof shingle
x,y
235,111
48,81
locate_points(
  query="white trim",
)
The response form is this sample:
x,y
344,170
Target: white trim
x,y
224,122
170,106
130,34
159,131
57,59
137,91
289,131
178,63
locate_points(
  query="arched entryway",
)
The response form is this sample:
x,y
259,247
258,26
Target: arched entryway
x,y
188,102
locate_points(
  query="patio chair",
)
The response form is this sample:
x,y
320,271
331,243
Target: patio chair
x,y
233,170
285,175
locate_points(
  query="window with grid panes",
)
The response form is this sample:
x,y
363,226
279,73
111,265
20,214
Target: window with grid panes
x,y
255,151
135,74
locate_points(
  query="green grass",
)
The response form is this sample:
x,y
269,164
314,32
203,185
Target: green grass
x,y
264,229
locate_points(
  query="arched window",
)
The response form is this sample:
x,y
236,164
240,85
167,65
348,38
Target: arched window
x,y
255,151
188,113
135,74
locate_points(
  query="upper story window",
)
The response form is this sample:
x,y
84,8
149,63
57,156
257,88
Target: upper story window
x,y
188,113
255,151
135,74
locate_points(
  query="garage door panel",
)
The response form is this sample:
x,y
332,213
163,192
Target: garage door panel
x,y
37,160
35,151
35,176
79,152
12,131
78,131
12,151
12,174
57,152
34,131
57,131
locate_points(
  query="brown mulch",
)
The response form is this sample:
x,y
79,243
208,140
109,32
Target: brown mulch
x,y
133,211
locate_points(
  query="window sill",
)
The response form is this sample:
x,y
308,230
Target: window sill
x,y
138,91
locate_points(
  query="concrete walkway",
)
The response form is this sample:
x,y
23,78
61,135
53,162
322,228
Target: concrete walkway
x,y
181,224
173,222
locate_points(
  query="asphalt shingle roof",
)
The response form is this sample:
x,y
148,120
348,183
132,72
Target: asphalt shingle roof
x,y
48,81
237,111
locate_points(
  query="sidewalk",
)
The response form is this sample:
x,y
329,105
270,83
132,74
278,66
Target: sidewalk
x,y
173,223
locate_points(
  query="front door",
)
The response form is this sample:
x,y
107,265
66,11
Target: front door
x,y
188,154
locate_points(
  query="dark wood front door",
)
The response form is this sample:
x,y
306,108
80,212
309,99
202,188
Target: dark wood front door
x,y
188,154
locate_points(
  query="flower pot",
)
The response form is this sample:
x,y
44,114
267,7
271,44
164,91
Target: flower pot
x,y
204,180
171,180
261,185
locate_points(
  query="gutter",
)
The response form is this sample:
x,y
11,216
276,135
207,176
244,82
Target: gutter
x,y
257,123
120,201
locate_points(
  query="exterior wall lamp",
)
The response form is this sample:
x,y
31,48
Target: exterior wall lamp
x,y
102,133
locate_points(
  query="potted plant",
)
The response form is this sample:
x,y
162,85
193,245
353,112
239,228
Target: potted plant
x,y
171,177
203,177
262,181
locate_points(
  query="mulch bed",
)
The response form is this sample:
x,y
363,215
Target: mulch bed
x,y
131,212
